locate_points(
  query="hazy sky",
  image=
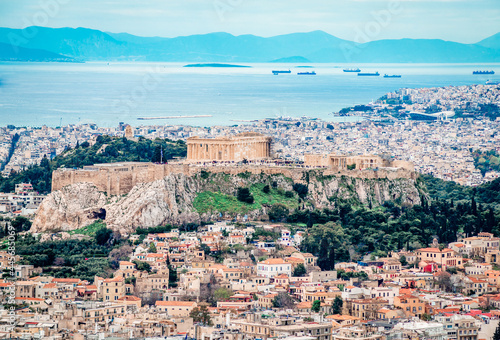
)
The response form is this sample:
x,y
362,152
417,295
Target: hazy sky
x,y
466,21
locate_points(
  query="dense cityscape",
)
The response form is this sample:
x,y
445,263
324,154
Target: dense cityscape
x,y
267,256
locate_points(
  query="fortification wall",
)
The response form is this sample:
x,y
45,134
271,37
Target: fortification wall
x,y
116,180
119,180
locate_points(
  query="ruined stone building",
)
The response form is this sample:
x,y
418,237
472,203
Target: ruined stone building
x,y
342,163
249,145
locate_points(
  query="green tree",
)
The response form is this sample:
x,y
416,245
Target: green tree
x,y
244,195
403,261
316,306
141,265
21,223
129,280
426,317
222,294
300,270
201,314
323,262
103,235
278,212
266,189
283,300
337,305
301,189
496,336
152,247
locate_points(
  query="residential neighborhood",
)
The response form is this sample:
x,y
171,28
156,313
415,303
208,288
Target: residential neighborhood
x,y
204,285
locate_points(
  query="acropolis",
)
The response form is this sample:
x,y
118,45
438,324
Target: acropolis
x,y
225,154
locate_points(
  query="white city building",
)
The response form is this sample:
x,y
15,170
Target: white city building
x,y
274,267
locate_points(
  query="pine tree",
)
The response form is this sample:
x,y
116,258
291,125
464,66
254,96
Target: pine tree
x,y
337,305
496,336
323,255
331,259
490,220
473,206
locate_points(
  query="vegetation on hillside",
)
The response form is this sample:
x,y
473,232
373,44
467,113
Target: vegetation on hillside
x,y
253,198
486,161
350,232
106,150
83,259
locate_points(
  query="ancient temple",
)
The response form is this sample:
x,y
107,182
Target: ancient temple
x,y
248,145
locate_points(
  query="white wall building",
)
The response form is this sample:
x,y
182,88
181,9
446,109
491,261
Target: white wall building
x,y
274,267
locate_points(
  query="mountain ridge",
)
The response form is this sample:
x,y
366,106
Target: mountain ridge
x,y
316,46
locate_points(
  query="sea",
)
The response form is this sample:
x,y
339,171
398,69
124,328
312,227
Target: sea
x,y
55,94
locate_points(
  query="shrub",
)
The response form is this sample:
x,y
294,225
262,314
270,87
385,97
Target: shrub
x,y
300,189
245,196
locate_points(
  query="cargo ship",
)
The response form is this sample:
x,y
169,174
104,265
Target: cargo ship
x,y
307,73
392,76
368,74
483,72
352,70
278,72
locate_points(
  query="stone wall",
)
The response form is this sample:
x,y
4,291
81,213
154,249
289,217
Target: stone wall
x,y
116,178
119,178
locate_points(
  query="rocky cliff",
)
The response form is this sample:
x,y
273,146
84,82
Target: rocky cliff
x,y
178,199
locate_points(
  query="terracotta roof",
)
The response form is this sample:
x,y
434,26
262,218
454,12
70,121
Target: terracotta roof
x,y
175,303
305,304
129,298
269,296
342,317
273,261
50,285
29,299
115,279
66,280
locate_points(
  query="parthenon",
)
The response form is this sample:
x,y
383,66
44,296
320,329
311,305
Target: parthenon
x,y
248,145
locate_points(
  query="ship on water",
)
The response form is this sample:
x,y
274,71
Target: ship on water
x,y
492,82
392,76
368,74
307,73
483,72
279,72
352,70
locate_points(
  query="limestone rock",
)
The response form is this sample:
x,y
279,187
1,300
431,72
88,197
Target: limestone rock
x,y
70,208
170,200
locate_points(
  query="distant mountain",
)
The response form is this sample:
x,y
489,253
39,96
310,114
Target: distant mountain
x,y
422,51
9,52
295,59
491,42
317,46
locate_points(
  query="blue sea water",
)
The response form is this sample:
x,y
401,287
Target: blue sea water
x,y
35,94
